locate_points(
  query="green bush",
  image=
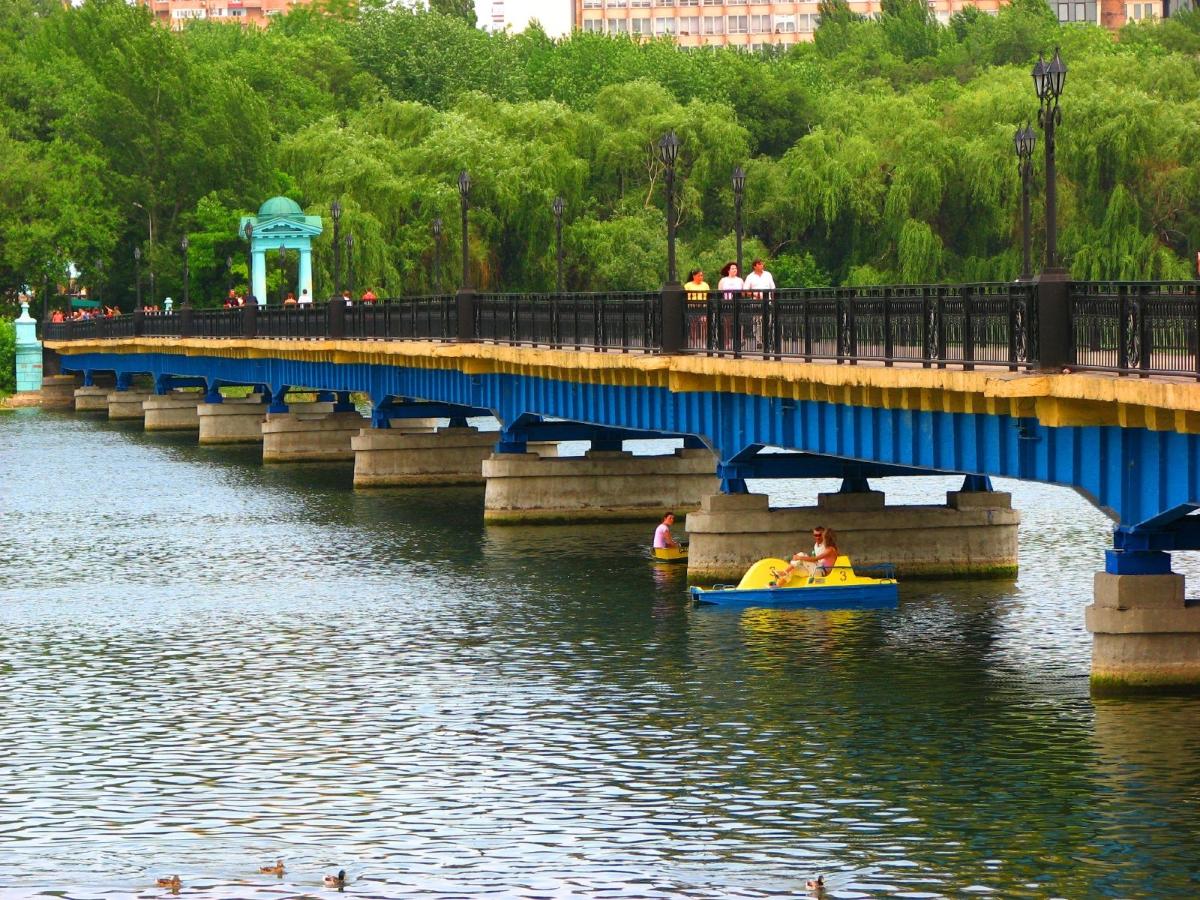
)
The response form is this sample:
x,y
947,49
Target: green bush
x,y
8,356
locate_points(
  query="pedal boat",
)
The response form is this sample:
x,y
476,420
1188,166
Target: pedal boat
x,y
870,587
669,554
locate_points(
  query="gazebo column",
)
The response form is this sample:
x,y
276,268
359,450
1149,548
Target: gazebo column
x,y
305,272
260,274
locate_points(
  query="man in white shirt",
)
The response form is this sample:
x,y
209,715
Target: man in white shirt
x,y
759,279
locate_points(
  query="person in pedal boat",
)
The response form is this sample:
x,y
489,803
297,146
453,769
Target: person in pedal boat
x,y
825,553
662,534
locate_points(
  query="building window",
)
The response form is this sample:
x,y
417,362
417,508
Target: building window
x,y
689,24
617,4
664,25
593,26
664,2
641,4
592,4
618,26
714,25
1080,12
689,2
640,26
760,24
739,24
785,24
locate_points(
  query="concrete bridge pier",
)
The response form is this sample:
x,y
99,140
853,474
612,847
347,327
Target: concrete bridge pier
x,y
92,395
58,391
171,409
126,399
310,432
224,420
607,484
1145,633
407,444
974,535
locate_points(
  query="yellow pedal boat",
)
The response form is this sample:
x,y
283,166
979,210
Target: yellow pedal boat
x,y
843,587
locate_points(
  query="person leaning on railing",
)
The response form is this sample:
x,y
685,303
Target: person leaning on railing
x,y
730,287
696,290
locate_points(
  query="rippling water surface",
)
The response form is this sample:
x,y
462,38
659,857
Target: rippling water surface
x,y
207,664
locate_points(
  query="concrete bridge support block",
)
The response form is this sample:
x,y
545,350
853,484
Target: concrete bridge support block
x,y
973,536
92,398
58,391
310,436
524,488
232,421
387,457
127,405
1145,635
175,411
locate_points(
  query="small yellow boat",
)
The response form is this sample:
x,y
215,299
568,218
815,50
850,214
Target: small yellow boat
x,y
669,554
842,587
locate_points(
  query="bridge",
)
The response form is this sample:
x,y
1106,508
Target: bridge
x,y
1087,385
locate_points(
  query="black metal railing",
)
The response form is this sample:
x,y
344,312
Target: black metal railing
x,y
597,321
961,325
410,318
1136,327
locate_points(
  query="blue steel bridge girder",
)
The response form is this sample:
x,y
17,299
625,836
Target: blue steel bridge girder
x,y
1135,474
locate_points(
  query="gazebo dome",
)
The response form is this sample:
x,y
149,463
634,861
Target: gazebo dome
x,y
279,206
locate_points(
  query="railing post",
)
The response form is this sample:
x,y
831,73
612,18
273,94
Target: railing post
x,y
968,341
1012,331
737,325
672,318
806,306
335,326
926,315
465,308
139,322
1054,319
889,347
839,333
1146,327
940,336
187,325
250,320
1122,327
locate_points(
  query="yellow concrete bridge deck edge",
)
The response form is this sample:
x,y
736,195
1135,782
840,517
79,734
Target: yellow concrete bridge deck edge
x,y
1078,399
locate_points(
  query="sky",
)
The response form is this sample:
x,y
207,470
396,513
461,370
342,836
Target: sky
x,y
555,15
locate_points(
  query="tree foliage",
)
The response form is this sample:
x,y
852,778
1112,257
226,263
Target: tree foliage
x,y
880,151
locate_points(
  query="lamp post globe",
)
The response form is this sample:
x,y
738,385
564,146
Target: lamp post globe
x,y
1024,141
668,153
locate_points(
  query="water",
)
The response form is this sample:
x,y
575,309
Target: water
x,y
207,664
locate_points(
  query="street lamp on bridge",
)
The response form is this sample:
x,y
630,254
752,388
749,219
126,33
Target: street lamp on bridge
x,y
335,213
668,153
1048,81
739,187
436,227
250,298
464,193
1025,140
183,245
350,262
558,206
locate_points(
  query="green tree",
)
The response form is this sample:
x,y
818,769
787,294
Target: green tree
x,y
458,9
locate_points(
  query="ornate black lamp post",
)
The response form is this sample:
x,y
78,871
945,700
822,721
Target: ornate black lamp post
x,y
558,206
137,275
739,187
350,262
668,152
183,245
250,266
282,274
437,255
464,194
1024,140
1048,81
335,211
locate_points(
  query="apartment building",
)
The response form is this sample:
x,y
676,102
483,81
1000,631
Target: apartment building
x,y
755,25
177,13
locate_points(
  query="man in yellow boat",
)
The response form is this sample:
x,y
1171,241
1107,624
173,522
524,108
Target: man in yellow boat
x,y
662,534
820,564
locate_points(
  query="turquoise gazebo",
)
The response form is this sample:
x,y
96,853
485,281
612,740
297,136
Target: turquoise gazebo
x,y
280,223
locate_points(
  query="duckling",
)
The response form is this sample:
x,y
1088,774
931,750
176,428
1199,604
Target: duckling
x,y
336,880
173,882
276,869
816,885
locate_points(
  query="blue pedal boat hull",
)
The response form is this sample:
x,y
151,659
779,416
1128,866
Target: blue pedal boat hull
x,y
873,596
